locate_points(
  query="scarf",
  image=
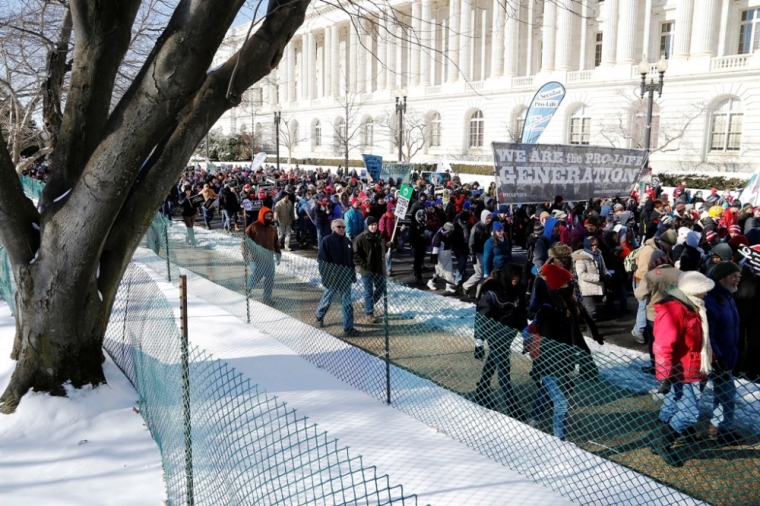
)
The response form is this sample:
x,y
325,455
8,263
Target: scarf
x,y
706,351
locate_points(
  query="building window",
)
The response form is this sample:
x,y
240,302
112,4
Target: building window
x,y
519,124
666,39
726,131
317,134
368,133
580,126
435,130
477,125
749,38
598,50
341,131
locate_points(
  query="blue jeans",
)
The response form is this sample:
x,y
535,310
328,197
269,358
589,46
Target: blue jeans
x,y
228,222
641,314
461,266
372,296
724,402
208,215
262,269
681,406
550,389
345,303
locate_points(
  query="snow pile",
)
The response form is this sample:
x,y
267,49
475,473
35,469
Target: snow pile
x,y
90,448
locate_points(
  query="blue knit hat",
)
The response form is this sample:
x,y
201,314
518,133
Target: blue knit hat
x,y
497,225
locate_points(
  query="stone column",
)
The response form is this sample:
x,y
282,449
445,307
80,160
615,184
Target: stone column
x,y
549,35
390,53
290,74
353,58
706,17
453,52
324,80
427,38
627,35
401,72
415,40
512,40
684,15
382,36
465,39
497,39
583,61
311,60
335,77
565,35
647,45
369,60
724,11
530,42
609,34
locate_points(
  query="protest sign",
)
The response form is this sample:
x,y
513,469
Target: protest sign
x,y
545,103
529,173
374,165
751,193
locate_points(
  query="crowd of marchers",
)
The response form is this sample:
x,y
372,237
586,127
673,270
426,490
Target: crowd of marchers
x,y
692,262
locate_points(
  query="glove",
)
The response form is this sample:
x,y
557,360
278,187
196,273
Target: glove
x,y
480,352
665,386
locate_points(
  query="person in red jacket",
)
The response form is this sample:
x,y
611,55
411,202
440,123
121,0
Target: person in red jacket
x,y
682,359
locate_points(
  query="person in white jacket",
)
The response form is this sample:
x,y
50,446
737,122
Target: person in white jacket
x,y
591,273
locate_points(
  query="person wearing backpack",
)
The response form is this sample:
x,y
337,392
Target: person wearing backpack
x,y
643,256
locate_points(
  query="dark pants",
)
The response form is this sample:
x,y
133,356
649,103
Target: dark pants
x,y
419,260
498,361
649,337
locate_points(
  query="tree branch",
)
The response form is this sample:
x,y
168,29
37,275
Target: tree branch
x,y
17,214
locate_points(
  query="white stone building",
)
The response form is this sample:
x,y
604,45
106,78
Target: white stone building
x,y
470,68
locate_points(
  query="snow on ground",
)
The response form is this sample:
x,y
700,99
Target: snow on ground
x,y
88,449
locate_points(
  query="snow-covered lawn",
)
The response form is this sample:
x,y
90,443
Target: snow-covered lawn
x,y
90,448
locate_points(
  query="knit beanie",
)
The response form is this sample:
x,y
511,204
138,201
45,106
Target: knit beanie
x,y
659,258
692,239
737,241
668,237
694,283
724,269
467,205
370,221
724,251
710,235
497,225
734,229
555,275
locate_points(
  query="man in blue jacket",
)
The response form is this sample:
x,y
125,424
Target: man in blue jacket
x,y
723,320
336,267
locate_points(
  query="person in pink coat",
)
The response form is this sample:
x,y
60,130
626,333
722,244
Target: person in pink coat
x,y
385,225
682,359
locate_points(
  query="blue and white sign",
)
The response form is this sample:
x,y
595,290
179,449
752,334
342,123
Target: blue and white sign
x,y
374,165
545,103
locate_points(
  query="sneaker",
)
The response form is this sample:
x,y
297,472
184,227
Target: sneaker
x,y
287,249
352,332
320,322
639,338
450,289
431,285
371,318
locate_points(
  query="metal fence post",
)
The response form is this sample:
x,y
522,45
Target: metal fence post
x,y
186,390
387,345
247,289
166,247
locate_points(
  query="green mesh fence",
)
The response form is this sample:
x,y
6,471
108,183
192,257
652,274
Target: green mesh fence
x,y
7,284
419,355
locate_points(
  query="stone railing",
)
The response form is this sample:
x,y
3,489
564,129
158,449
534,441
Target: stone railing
x,y
725,63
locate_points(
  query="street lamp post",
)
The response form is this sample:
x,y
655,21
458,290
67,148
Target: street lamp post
x,y
400,110
650,87
277,115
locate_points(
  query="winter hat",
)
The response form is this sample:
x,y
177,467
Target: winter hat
x,y
723,250
354,201
710,235
560,215
538,227
734,229
467,205
560,250
659,258
555,275
448,227
736,203
543,216
692,239
724,269
438,202
683,233
484,214
694,283
668,237
371,220
497,225
666,220
503,209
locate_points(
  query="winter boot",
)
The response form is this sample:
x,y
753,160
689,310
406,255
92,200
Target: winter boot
x,y
662,445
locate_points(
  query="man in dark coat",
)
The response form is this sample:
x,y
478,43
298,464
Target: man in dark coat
x,y
723,321
369,249
336,267
501,314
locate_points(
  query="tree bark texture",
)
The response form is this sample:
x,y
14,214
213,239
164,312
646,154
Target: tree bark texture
x,y
112,169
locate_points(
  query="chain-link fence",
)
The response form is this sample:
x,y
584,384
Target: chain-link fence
x,y
586,432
